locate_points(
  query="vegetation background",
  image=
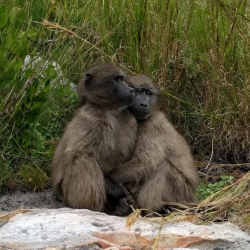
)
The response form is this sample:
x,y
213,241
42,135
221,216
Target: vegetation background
x,y
197,51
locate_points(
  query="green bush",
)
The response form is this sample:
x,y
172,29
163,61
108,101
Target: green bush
x,y
32,178
205,190
35,98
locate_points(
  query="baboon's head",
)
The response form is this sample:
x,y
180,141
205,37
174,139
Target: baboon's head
x,y
105,85
145,96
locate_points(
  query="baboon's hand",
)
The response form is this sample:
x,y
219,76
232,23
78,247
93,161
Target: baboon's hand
x,y
123,207
114,189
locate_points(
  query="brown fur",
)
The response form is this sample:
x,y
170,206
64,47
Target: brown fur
x,y
100,137
162,168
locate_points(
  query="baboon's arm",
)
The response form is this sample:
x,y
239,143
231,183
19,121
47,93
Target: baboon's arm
x,y
149,152
129,173
141,166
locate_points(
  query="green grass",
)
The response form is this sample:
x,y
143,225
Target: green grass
x,y
196,51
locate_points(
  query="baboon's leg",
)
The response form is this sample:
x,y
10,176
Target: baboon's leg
x,y
167,185
58,166
83,185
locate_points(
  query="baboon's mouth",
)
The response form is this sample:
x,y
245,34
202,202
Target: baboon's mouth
x,y
142,116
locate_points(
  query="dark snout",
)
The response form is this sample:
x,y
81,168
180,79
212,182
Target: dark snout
x,y
124,93
141,107
142,103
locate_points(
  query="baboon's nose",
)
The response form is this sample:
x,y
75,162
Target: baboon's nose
x,y
143,105
132,91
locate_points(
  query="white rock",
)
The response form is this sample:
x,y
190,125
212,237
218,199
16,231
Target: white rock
x,y
67,228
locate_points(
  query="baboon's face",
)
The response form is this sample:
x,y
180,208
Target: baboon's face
x,y
145,97
105,85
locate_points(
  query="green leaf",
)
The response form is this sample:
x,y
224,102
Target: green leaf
x,y
3,17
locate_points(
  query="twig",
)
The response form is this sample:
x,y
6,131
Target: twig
x,y
57,26
211,156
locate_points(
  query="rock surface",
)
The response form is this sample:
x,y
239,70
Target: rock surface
x,y
66,228
28,200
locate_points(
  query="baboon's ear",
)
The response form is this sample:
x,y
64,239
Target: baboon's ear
x,y
88,78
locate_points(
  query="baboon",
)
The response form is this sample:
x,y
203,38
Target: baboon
x,y
99,139
161,169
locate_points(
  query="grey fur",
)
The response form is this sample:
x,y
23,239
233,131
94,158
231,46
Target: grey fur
x,y
162,168
100,137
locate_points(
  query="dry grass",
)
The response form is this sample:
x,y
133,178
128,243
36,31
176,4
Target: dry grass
x,y
231,203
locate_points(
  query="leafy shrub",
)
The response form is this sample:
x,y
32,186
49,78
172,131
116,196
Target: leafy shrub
x,y
205,190
35,101
31,178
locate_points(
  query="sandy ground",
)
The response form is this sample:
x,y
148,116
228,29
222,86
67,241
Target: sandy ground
x,y
22,200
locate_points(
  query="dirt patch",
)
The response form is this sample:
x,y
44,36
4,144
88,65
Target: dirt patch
x,y
22,200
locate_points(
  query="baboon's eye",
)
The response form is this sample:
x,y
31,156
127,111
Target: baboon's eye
x,y
145,91
88,78
148,92
119,78
138,90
